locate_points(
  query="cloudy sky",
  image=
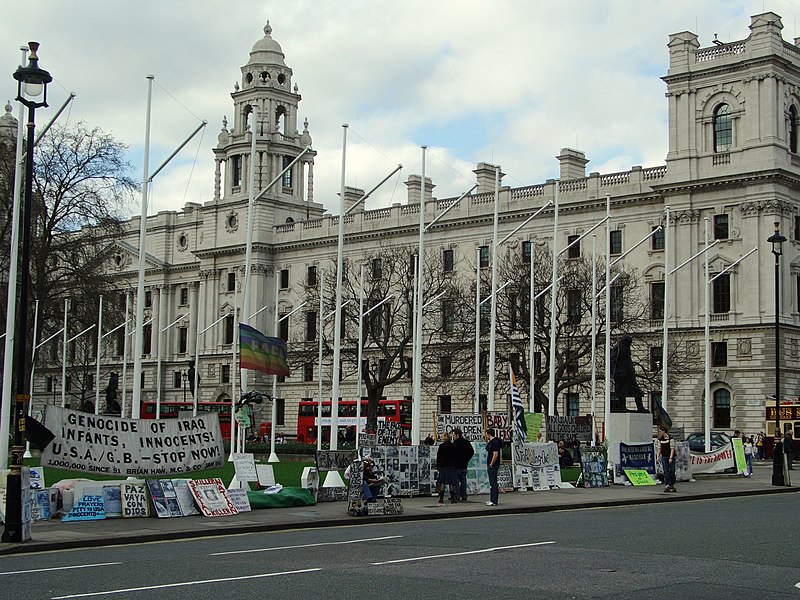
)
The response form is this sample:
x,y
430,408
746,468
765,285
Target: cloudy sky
x,y
504,81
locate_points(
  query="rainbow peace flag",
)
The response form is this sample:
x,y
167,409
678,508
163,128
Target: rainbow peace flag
x,y
261,353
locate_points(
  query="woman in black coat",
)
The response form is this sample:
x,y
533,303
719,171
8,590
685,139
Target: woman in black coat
x,y
446,459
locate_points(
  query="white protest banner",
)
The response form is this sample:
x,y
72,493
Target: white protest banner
x,y
388,434
133,498
212,498
536,455
503,425
569,428
266,475
471,425
245,466
131,447
714,462
239,499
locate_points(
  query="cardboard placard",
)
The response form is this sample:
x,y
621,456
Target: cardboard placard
x,y
133,500
239,499
245,466
639,477
88,508
212,498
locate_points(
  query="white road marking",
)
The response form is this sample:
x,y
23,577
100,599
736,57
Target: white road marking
x,y
182,584
482,551
61,568
377,539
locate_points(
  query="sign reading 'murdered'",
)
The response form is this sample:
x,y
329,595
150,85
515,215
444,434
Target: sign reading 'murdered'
x,y
139,447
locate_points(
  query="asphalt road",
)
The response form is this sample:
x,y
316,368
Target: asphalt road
x,y
722,548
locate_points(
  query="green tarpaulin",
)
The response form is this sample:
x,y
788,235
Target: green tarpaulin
x,y
287,497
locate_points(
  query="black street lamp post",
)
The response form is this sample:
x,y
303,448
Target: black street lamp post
x,y
185,377
32,83
776,239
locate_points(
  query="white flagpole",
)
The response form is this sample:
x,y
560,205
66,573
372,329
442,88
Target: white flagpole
x,y
532,349
200,322
665,342
234,370
551,404
97,358
360,352
138,345
337,326
273,456
125,354
477,400
248,263
319,357
707,339
594,338
607,375
64,356
33,368
160,342
416,405
493,327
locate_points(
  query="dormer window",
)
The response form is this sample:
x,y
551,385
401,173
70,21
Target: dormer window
x,y
723,128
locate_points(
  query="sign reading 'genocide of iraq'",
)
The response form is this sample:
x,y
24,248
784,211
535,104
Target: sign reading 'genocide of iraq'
x,y
132,447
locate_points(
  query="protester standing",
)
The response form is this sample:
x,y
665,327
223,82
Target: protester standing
x,y
493,457
464,452
788,448
446,465
760,445
666,453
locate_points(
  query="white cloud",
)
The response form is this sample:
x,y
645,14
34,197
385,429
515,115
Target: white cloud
x,y
501,81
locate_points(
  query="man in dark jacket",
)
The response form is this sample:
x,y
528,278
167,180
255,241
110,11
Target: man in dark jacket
x,y
464,452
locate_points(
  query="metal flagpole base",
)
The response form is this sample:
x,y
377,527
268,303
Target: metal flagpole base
x,y
273,458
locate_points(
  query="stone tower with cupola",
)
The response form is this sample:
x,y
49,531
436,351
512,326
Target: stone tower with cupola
x,y
266,101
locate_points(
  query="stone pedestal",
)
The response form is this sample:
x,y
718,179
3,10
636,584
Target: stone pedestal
x,y
631,428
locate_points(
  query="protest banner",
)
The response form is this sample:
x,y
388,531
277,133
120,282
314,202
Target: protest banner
x,y
239,499
471,425
244,465
639,477
502,423
133,499
533,422
634,456
738,454
107,445
88,508
536,455
212,498
569,429
683,466
335,460
388,434
593,467
713,462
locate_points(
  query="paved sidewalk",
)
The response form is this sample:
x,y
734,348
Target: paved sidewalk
x,y
53,534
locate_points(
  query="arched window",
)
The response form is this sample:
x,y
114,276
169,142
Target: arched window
x,y
722,409
723,128
793,129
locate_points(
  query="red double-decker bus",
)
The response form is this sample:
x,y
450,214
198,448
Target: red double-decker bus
x,y
172,410
398,411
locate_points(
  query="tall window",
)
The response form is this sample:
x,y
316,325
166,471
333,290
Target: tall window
x,y
280,411
445,366
284,279
308,371
232,281
448,315
617,304
721,227
120,341
283,329
448,260
719,354
236,176
311,325
722,409
615,242
148,299
484,261
183,340
526,253
176,379
225,374
147,334
656,357
723,128
445,404
574,249
286,182
377,268
486,316
721,294
573,404
793,129
184,296
657,240
311,276
796,228
228,328
657,300
574,306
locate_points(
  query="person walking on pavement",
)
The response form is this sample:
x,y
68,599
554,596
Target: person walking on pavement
x,y
760,445
666,453
493,457
446,465
788,448
464,452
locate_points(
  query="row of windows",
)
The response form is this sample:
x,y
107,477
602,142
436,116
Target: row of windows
x,y
287,182
723,129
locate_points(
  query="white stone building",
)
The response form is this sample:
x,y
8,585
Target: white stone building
x,y
733,128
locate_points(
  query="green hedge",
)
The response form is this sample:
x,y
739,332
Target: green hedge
x,y
289,448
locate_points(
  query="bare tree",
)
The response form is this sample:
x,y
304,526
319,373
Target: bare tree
x,y
388,330
81,187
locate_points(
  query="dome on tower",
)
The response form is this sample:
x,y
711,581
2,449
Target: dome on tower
x,y
8,126
266,50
